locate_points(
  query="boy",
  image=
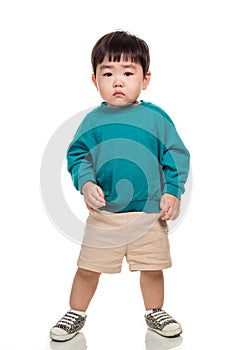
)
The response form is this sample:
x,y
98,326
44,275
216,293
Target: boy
x,y
131,166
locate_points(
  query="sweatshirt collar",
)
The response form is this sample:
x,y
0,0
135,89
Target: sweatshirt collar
x,y
129,109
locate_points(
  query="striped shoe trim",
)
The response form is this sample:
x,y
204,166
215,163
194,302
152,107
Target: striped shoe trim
x,y
71,322
158,319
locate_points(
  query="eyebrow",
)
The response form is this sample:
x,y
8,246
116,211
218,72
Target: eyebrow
x,y
108,66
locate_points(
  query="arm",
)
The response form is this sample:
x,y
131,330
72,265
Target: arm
x,y
79,160
81,168
175,167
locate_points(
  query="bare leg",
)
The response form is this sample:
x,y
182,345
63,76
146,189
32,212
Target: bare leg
x,y
83,288
152,286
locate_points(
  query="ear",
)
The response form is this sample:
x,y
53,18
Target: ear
x,y
146,80
94,80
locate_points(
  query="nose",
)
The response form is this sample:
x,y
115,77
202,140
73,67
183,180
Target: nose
x,y
117,82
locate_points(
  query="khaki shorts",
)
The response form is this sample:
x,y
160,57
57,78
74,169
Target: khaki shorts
x,y
109,237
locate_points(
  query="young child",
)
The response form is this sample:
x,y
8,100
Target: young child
x,y
130,164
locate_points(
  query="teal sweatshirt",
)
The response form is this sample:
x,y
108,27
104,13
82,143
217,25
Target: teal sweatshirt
x,y
133,153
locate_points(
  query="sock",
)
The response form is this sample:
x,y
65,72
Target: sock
x,y
147,312
81,313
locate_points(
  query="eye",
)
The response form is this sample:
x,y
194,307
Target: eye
x,y
108,74
127,74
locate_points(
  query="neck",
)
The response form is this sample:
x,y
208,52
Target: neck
x,y
122,105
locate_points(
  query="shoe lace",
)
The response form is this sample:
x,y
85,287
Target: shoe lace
x,y
162,317
68,320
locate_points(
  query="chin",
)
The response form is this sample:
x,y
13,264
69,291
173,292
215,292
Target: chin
x,y
120,104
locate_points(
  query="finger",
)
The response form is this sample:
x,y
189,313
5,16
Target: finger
x,y
167,213
100,191
90,208
175,214
92,202
95,203
165,217
164,210
94,199
99,200
172,213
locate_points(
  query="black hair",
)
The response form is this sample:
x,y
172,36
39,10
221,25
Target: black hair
x,y
121,44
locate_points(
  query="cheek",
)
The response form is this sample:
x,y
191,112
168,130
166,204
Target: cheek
x,y
136,86
104,90
103,85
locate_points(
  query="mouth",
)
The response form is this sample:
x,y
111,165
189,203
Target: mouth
x,y
118,93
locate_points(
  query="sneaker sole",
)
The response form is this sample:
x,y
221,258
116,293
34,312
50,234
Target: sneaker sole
x,y
171,334
62,338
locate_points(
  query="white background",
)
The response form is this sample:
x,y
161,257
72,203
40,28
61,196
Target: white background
x,y
44,80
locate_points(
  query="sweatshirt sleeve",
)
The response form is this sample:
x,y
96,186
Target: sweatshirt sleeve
x,y
175,160
79,160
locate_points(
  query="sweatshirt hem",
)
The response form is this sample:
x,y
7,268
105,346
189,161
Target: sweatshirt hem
x,y
146,206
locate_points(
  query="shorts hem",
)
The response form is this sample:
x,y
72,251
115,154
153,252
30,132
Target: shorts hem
x,y
149,267
98,269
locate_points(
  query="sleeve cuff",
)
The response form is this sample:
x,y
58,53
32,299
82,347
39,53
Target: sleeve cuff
x,y
174,190
85,178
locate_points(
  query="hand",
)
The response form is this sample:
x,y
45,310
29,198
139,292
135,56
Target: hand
x,y
170,207
93,196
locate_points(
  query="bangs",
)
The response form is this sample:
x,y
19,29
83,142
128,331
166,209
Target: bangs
x,y
114,56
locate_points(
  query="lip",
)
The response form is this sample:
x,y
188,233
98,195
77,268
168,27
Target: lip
x,y
118,93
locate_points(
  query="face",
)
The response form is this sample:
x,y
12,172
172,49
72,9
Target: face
x,y
120,83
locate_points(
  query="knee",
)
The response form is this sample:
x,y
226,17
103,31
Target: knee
x,y
152,274
87,274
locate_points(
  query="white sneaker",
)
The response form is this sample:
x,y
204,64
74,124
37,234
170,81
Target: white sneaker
x,y
68,326
159,321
